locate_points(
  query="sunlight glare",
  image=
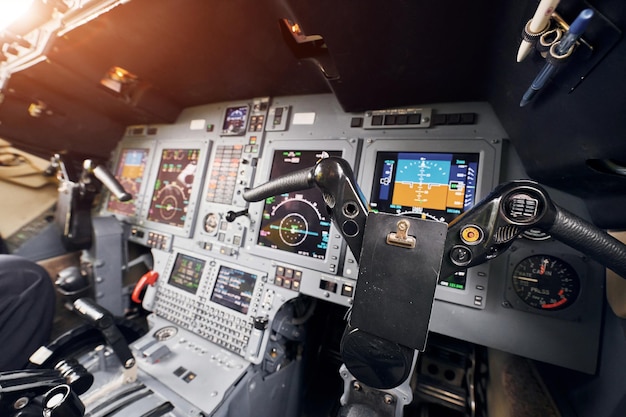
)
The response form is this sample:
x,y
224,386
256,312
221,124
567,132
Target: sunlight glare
x,y
11,10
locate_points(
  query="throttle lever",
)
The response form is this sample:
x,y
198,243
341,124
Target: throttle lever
x,y
102,319
111,183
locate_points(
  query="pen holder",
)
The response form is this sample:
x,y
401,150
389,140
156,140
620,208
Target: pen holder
x,y
553,56
531,37
599,41
564,26
548,39
552,34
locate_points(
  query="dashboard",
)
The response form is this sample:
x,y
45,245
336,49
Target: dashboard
x,y
227,266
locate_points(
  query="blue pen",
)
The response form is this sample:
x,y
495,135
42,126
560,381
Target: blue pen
x,y
576,29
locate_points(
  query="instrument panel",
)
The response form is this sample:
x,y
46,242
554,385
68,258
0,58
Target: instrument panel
x,y
219,301
187,181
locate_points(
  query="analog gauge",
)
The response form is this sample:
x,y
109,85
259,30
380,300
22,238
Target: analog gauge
x,y
211,221
165,333
546,282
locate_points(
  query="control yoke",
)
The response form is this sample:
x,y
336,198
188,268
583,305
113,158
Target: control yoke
x,y
484,232
379,343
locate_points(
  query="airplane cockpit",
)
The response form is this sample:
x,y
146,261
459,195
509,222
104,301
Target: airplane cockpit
x,y
314,209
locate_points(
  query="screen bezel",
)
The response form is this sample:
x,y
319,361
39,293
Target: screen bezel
x,y
488,159
444,213
348,149
228,108
181,287
211,293
187,228
126,144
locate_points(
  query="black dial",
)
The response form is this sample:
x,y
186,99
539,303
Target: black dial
x,y
546,282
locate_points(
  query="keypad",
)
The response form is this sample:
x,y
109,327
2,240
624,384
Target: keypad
x,y
230,330
224,329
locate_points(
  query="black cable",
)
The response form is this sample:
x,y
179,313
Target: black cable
x,y
117,397
128,402
159,410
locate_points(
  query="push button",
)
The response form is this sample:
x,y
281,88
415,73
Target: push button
x,y
460,255
471,235
356,122
415,119
390,119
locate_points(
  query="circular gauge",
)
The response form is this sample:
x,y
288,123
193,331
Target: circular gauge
x,y
546,282
293,229
211,221
169,202
165,333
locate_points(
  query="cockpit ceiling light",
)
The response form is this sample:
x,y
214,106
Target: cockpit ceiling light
x,y
12,10
118,79
295,28
306,46
298,34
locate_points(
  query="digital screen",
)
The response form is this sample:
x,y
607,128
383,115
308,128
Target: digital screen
x,y
436,186
186,273
130,168
458,280
296,222
235,120
234,289
173,186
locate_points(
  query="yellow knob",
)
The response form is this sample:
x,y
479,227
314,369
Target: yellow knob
x,y
471,234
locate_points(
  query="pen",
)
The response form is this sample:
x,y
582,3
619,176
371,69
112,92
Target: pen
x,y
576,29
561,50
537,24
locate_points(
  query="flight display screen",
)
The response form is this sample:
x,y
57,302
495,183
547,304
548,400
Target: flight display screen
x,y
296,222
173,186
235,120
186,273
130,169
436,186
234,289
433,185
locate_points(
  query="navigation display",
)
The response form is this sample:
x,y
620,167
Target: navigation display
x,y
173,186
296,222
233,289
437,186
235,120
130,168
186,273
